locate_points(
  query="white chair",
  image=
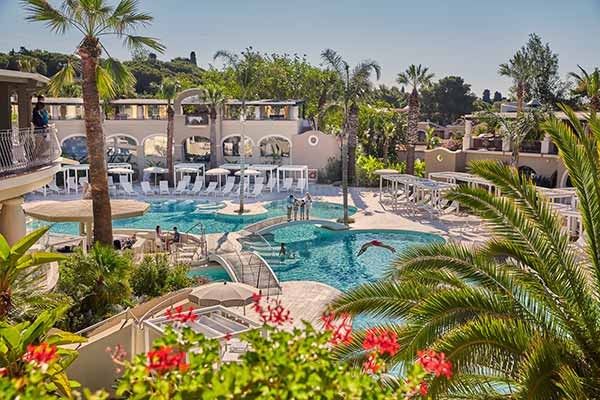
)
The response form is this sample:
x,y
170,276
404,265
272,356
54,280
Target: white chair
x,y
257,191
128,189
300,185
83,181
163,187
226,189
198,185
211,188
271,183
71,185
123,178
259,180
147,189
53,187
181,187
287,184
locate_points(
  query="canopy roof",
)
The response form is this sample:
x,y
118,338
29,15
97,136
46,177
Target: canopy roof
x,y
66,161
217,171
190,166
10,76
81,210
293,168
386,172
156,170
120,170
78,167
248,172
264,167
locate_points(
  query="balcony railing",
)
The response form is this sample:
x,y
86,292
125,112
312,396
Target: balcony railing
x,y
23,150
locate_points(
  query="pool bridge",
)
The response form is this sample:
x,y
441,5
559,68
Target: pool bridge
x,y
270,224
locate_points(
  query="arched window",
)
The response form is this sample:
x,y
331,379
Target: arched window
x,y
121,149
274,146
197,149
155,146
75,148
231,147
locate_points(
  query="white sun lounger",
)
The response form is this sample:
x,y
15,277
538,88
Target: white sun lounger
x,y
271,183
300,185
163,187
71,186
181,187
53,187
128,189
287,184
257,191
226,189
198,185
210,189
146,189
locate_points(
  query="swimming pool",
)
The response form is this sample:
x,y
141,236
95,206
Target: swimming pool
x,y
318,254
184,215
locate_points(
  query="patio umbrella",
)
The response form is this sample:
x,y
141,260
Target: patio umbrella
x,y
227,294
248,172
120,170
156,171
217,172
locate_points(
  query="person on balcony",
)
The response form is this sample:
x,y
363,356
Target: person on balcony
x,y
40,116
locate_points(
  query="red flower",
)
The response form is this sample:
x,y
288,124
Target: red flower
x,y
228,336
165,359
3,372
275,313
340,328
41,354
177,314
435,363
423,388
381,341
371,366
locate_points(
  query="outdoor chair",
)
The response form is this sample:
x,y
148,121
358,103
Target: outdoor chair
x,y
210,189
181,187
300,185
71,185
198,185
287,184
163,187
147,189
271,183
128,189
227,189
53,187
257,191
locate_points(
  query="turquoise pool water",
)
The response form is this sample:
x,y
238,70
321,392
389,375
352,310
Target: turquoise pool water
x,y
329,257
183,215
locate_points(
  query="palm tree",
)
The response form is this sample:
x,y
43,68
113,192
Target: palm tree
x,y
431,140
589,85
356,85
19,278
214,95
168,90
95,20
519,69
416,76
519,315
247,75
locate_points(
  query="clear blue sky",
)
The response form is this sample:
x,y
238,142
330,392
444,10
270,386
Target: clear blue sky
x,y
460,37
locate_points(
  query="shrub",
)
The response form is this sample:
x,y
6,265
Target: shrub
x,y
97,283
155,276
332,171
453,144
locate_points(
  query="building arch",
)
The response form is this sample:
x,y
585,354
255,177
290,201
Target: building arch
x,y
155,145
75,147
230,145
184,95
73,136
275,145
565,180
137,142
196,148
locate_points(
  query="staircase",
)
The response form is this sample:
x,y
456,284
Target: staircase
x,y
249,268
260,244
195,250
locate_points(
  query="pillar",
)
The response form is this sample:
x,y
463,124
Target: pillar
x,y
5,107
293,112
12,220
546,144
24,95
467,137
141,160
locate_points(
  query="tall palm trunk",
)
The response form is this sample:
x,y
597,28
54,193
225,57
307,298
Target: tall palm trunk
x,y
345,176
90,55
213,137
352,142
413,124
520,96
170,143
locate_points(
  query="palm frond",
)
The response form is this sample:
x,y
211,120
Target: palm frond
x,y
138,42
42,11
63,78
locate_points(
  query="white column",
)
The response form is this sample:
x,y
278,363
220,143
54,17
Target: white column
x,y
12,220
467,137
293,112
546,144
257,113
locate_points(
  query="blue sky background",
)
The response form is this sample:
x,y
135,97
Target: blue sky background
x,y
460,37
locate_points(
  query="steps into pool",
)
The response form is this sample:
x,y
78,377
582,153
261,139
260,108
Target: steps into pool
x,y
209,208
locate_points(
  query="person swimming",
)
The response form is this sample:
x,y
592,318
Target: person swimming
x,y
374,243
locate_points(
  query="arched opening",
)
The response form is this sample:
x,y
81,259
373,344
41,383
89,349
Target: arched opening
x,y
196,149
527,171
75,147
275,147
121,149
155,150
231,146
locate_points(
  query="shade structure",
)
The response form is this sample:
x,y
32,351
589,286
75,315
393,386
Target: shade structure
x,y
385,172
66,161
248,172
120,170
217,171
228,294
81,210
156,170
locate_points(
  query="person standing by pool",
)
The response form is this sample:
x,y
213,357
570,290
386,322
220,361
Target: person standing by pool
x,y
307,204
290,205
158,237
302,207
296,206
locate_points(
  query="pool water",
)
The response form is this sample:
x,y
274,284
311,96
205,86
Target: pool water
x,y
183,215
318,254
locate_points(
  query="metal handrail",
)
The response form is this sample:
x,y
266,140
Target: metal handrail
x,y
25,149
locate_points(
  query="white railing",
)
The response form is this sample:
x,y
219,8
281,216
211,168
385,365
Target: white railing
x,y
24,149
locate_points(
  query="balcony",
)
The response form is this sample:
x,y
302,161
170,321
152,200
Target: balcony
x,y
24,150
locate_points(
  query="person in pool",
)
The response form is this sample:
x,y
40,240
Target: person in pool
x,y
374,243
282,250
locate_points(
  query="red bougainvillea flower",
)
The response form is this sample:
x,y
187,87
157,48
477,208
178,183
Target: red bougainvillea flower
x,y
423,389
435,363
274,312
228,336
381,341
339,326
372,366
165,359
41,354
178,314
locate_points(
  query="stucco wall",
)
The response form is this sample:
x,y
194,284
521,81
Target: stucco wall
x,y
315,156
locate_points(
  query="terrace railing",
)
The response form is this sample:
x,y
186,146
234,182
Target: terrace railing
x,y
26,149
